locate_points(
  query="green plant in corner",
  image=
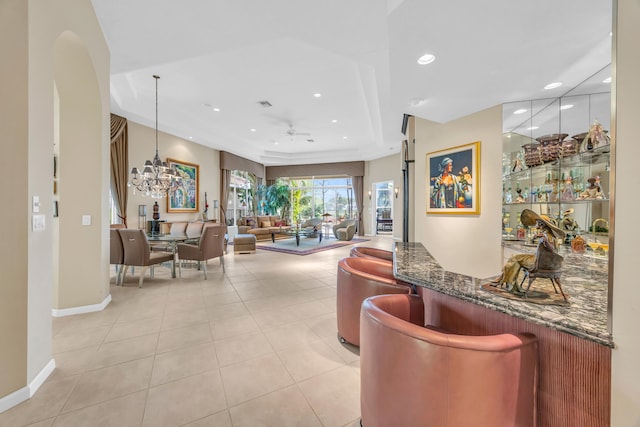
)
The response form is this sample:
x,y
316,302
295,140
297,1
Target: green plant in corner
x,y
278,198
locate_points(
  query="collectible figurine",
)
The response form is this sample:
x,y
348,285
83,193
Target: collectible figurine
x,y
547,235
592,192
567,193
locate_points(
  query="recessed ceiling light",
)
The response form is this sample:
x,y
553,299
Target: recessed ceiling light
x,y
317,95
190,137
216,109
253,130
334,121
344,137
275,143
520,111
566,106
533,128
607,80
427,58
509,135
553,85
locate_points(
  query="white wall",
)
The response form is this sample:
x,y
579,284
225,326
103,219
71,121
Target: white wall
x,y
467,244
142,147
625,379
380,170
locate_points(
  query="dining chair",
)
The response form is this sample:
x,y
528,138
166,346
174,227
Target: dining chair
x,y
116,252
137,253
194,229
178,227
211,245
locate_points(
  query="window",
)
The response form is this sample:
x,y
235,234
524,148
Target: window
x,y
315,196
240,201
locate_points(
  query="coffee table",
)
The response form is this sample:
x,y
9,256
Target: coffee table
x,y
295,232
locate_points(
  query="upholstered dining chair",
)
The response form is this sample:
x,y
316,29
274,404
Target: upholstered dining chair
x,y
178,227
413,376
211,245
116,252
137,253
359,278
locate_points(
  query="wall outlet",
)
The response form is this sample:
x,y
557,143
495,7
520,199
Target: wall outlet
x,y
86,219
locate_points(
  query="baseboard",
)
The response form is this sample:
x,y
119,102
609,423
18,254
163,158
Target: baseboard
x,y
83,309
41,377
25,393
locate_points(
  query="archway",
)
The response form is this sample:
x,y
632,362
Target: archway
x,y
81,272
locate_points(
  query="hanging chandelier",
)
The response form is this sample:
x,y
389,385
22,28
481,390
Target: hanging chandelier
x,y
157,179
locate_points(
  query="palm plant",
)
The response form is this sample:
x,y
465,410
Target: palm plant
x,y
279,199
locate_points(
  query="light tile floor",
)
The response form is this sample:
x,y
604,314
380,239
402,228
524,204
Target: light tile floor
x,y
256,346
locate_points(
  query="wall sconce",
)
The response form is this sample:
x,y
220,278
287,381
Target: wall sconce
x,y
396,190
369,194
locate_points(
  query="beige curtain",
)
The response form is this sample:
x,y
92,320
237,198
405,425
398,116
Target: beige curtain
x,y
119,164
358,184
225,181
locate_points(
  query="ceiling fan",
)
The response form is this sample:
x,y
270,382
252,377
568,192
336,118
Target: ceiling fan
x,y
292,132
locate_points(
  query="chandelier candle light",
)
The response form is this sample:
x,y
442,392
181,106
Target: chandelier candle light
x,y
157,178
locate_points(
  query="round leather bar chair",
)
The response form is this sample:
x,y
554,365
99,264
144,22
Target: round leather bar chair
x,y
411,375
375,253
360,278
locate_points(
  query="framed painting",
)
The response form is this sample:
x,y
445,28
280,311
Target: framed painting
x,y
453,180
185,197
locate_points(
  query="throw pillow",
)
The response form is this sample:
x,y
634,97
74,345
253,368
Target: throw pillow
x,y
265,224
279,224
251,222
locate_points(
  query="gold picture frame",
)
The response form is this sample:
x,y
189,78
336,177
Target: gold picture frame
x,y
185,197
453,180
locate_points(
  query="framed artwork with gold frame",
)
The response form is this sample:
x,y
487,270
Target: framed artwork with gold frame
x,y
185,197
453,180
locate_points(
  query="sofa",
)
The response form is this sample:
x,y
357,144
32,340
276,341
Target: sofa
x,y
262,226
412,375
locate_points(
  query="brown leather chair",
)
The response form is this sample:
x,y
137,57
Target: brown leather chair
x,y
211,245
138,253
116,252
411,375
360,278
374,253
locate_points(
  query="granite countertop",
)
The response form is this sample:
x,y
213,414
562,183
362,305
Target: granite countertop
x,y
584,278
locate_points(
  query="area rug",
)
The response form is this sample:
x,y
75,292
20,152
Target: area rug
x,y
541,292
307,246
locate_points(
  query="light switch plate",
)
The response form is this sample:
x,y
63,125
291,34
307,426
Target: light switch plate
x,y
86,219
37,222
35,205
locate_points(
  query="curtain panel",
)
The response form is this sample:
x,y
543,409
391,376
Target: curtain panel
x,y
119,165
358,186
225,181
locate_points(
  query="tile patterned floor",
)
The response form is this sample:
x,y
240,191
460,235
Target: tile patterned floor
x,y
256,346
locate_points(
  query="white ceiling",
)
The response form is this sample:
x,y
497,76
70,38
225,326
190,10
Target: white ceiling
x,y
359,54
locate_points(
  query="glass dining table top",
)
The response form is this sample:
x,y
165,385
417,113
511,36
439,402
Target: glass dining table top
x,y
172,237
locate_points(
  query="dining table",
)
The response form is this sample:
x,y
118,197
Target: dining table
x,y
169,241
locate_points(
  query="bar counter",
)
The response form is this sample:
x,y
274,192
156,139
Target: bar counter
x,y
584,280
574,387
